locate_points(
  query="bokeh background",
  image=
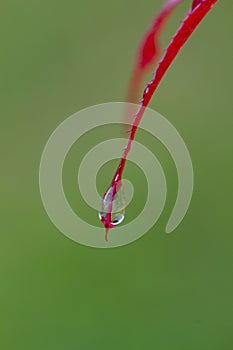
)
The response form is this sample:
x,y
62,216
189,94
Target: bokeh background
x,y
161,292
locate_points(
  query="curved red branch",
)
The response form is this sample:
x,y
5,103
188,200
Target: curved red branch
x,y
194,17
149,50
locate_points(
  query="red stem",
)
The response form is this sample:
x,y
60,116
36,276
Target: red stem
x,y
149,49
194,17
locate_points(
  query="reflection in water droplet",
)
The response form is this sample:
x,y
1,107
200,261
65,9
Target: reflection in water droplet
x,y
118,207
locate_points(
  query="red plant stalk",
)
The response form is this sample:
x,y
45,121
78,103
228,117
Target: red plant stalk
x,y
149,49
195,3
198,11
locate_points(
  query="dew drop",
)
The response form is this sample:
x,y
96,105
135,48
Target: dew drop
x,y
118,207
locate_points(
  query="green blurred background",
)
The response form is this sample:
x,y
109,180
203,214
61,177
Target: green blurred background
x,y
161,292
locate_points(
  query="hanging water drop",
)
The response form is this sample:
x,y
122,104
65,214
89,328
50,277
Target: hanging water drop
x,y
113,204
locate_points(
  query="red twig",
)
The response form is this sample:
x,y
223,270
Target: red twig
x,y
194,17
149,50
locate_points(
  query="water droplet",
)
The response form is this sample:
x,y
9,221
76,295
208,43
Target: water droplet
x,y
118,207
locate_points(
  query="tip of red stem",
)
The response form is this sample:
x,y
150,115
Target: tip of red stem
x,y
106,233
